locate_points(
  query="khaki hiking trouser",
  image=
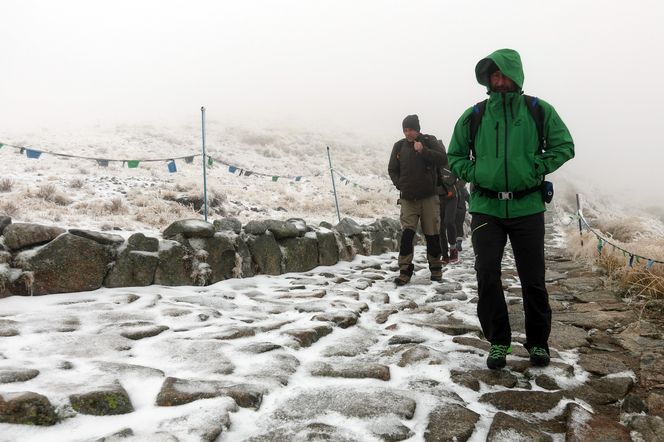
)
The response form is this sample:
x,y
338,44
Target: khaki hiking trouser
x,y
426,211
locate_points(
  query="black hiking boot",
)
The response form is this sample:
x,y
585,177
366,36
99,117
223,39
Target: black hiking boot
x,y
497,356
539,357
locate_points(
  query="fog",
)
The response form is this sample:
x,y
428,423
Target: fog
x,y
352,66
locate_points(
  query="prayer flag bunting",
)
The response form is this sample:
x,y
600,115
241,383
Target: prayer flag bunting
x,y
210,161
189,160
102,163
631,260
247,172
275,178
298,178
172,168
232,169
132,164
650,263
1,145
34,154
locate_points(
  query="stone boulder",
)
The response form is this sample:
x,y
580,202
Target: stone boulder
x,y
255,228
328,250
140,242
348,227
105,239
228,224
189,228
350,402
385,234
243,252
176,391
523,401
21,235
266,254
103,401
26,408
300,254
583,426
450,422
133,269
175,265
69,263
505,427
282,229
4,222
221,257
8,375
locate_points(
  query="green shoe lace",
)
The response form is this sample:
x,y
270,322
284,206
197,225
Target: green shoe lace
x,y
538,352
498,351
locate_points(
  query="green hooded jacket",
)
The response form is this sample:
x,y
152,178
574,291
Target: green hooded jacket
x,y
508,158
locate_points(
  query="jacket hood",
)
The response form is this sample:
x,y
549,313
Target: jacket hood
x,y
508,61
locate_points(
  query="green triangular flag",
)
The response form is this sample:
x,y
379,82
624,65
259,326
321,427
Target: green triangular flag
x,y
275,178
210,161
132,164
1,145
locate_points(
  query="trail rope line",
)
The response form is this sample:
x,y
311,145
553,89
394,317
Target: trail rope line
x,y
602,241
34,153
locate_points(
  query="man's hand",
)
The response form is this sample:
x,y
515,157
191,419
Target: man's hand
x,y
418,146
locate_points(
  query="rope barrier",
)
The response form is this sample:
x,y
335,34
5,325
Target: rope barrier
x,y
601,241
33,153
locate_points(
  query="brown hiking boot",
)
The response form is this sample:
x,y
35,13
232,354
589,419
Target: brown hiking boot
x,y
404,275
454,256
437,275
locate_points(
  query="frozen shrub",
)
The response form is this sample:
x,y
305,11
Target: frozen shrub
x,y
116,206
76,183
9,208
46,192
6,184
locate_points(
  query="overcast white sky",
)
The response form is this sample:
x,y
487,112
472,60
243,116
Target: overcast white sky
x,y
356,65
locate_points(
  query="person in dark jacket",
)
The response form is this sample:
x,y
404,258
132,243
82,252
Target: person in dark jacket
x,y
506,168
460,218
413,169
448,207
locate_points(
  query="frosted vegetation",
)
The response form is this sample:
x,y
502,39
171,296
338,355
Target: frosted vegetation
x,y
79,192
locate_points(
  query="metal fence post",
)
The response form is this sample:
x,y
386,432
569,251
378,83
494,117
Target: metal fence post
x,y
204,165
334,187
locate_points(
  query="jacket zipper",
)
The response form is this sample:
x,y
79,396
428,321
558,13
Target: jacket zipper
x,y
507,213
497,142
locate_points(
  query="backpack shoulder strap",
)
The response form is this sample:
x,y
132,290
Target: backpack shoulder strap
x,y
475,119
537,112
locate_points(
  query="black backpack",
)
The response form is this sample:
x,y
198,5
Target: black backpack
x,y
536,111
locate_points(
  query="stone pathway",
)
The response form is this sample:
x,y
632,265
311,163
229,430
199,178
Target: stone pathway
x,y
337,354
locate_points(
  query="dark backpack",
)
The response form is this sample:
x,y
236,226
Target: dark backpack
x,y
534,108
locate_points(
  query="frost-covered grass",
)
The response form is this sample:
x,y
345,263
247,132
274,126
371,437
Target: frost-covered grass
x,y
630,229
80,193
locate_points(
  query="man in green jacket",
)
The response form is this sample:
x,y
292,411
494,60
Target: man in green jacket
x,y
506,166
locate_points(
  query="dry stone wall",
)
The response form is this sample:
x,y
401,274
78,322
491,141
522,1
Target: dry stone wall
x,y
40,260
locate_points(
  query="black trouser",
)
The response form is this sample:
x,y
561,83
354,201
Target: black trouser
x,y
448,235
460,218
526,234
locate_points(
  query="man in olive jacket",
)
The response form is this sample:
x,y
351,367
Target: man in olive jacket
x,y
413,168
507,168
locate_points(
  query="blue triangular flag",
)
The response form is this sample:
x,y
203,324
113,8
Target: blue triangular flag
x,y
650,263
30,153
232,169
